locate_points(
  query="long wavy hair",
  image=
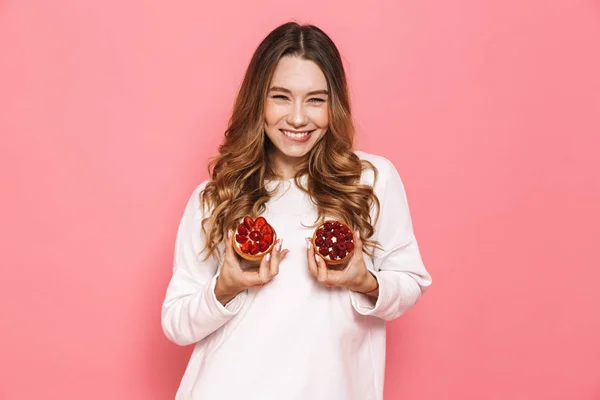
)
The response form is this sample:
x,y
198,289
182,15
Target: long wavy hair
x,y
238,173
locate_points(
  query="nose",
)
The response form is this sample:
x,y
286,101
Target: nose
x,y
297,116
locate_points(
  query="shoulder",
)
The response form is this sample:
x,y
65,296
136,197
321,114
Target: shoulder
x,y
201,186
193,206
385,168
195,196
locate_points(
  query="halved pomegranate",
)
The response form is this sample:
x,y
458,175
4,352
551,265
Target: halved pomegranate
x,y
254,239
333,241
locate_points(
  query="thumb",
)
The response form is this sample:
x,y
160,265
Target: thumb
x,y
358,246
229,252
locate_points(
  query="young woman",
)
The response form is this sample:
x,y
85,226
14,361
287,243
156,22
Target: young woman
x,y
294,327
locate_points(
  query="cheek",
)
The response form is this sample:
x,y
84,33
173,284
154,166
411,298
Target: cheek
x,y
320,117
272,115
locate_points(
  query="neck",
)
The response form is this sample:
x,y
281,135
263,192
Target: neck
x,y
284,166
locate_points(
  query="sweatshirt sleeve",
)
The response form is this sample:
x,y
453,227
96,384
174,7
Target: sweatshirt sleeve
x,y
398,268
190,310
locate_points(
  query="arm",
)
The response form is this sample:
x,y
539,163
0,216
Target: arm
x,y
190,310
398,268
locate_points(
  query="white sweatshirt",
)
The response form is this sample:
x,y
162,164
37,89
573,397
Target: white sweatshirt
x,y
293,338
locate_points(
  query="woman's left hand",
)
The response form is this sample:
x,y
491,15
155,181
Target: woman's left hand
x,y
352,274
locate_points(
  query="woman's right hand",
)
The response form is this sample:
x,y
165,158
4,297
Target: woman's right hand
x,y
234,279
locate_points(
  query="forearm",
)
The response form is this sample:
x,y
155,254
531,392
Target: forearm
x,y
190,317
223,293
367,284
396,294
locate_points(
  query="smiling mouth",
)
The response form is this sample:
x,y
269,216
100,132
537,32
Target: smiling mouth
x,y
297,135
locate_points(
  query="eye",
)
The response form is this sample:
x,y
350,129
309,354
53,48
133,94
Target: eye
x,y
316,100
279,96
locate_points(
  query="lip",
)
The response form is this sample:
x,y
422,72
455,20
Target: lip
x,y
302,139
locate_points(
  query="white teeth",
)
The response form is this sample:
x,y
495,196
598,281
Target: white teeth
x,y
295,135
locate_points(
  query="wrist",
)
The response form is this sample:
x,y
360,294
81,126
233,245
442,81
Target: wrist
x,y
223,292
368,283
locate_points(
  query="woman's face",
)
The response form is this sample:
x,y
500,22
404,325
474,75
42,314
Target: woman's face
x,y
296,108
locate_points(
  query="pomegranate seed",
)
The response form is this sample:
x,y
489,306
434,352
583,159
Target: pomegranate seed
x,y
248,222
246,247
263,246
338,248
268,238
242,229
255,235
259,222
266,229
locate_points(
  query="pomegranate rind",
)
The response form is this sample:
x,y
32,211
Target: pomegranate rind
x,y
320,230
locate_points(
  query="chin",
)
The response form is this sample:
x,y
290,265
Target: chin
x,y
294,153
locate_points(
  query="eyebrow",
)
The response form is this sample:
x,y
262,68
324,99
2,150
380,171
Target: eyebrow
x,y
282,89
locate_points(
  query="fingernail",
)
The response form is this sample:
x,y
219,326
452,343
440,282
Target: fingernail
x,y
279,244
308,244
268,257
229,234
317,258
358,234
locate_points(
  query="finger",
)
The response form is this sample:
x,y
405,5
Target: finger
x,y
264,271
229,252
321,270
277,249
334,277
275,262
269,266
252,276
276,252
231,256
358,246
310,256
252,279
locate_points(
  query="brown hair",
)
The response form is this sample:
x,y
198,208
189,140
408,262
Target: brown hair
x,y
238,173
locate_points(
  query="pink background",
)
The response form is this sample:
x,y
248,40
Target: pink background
x,y
109,111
